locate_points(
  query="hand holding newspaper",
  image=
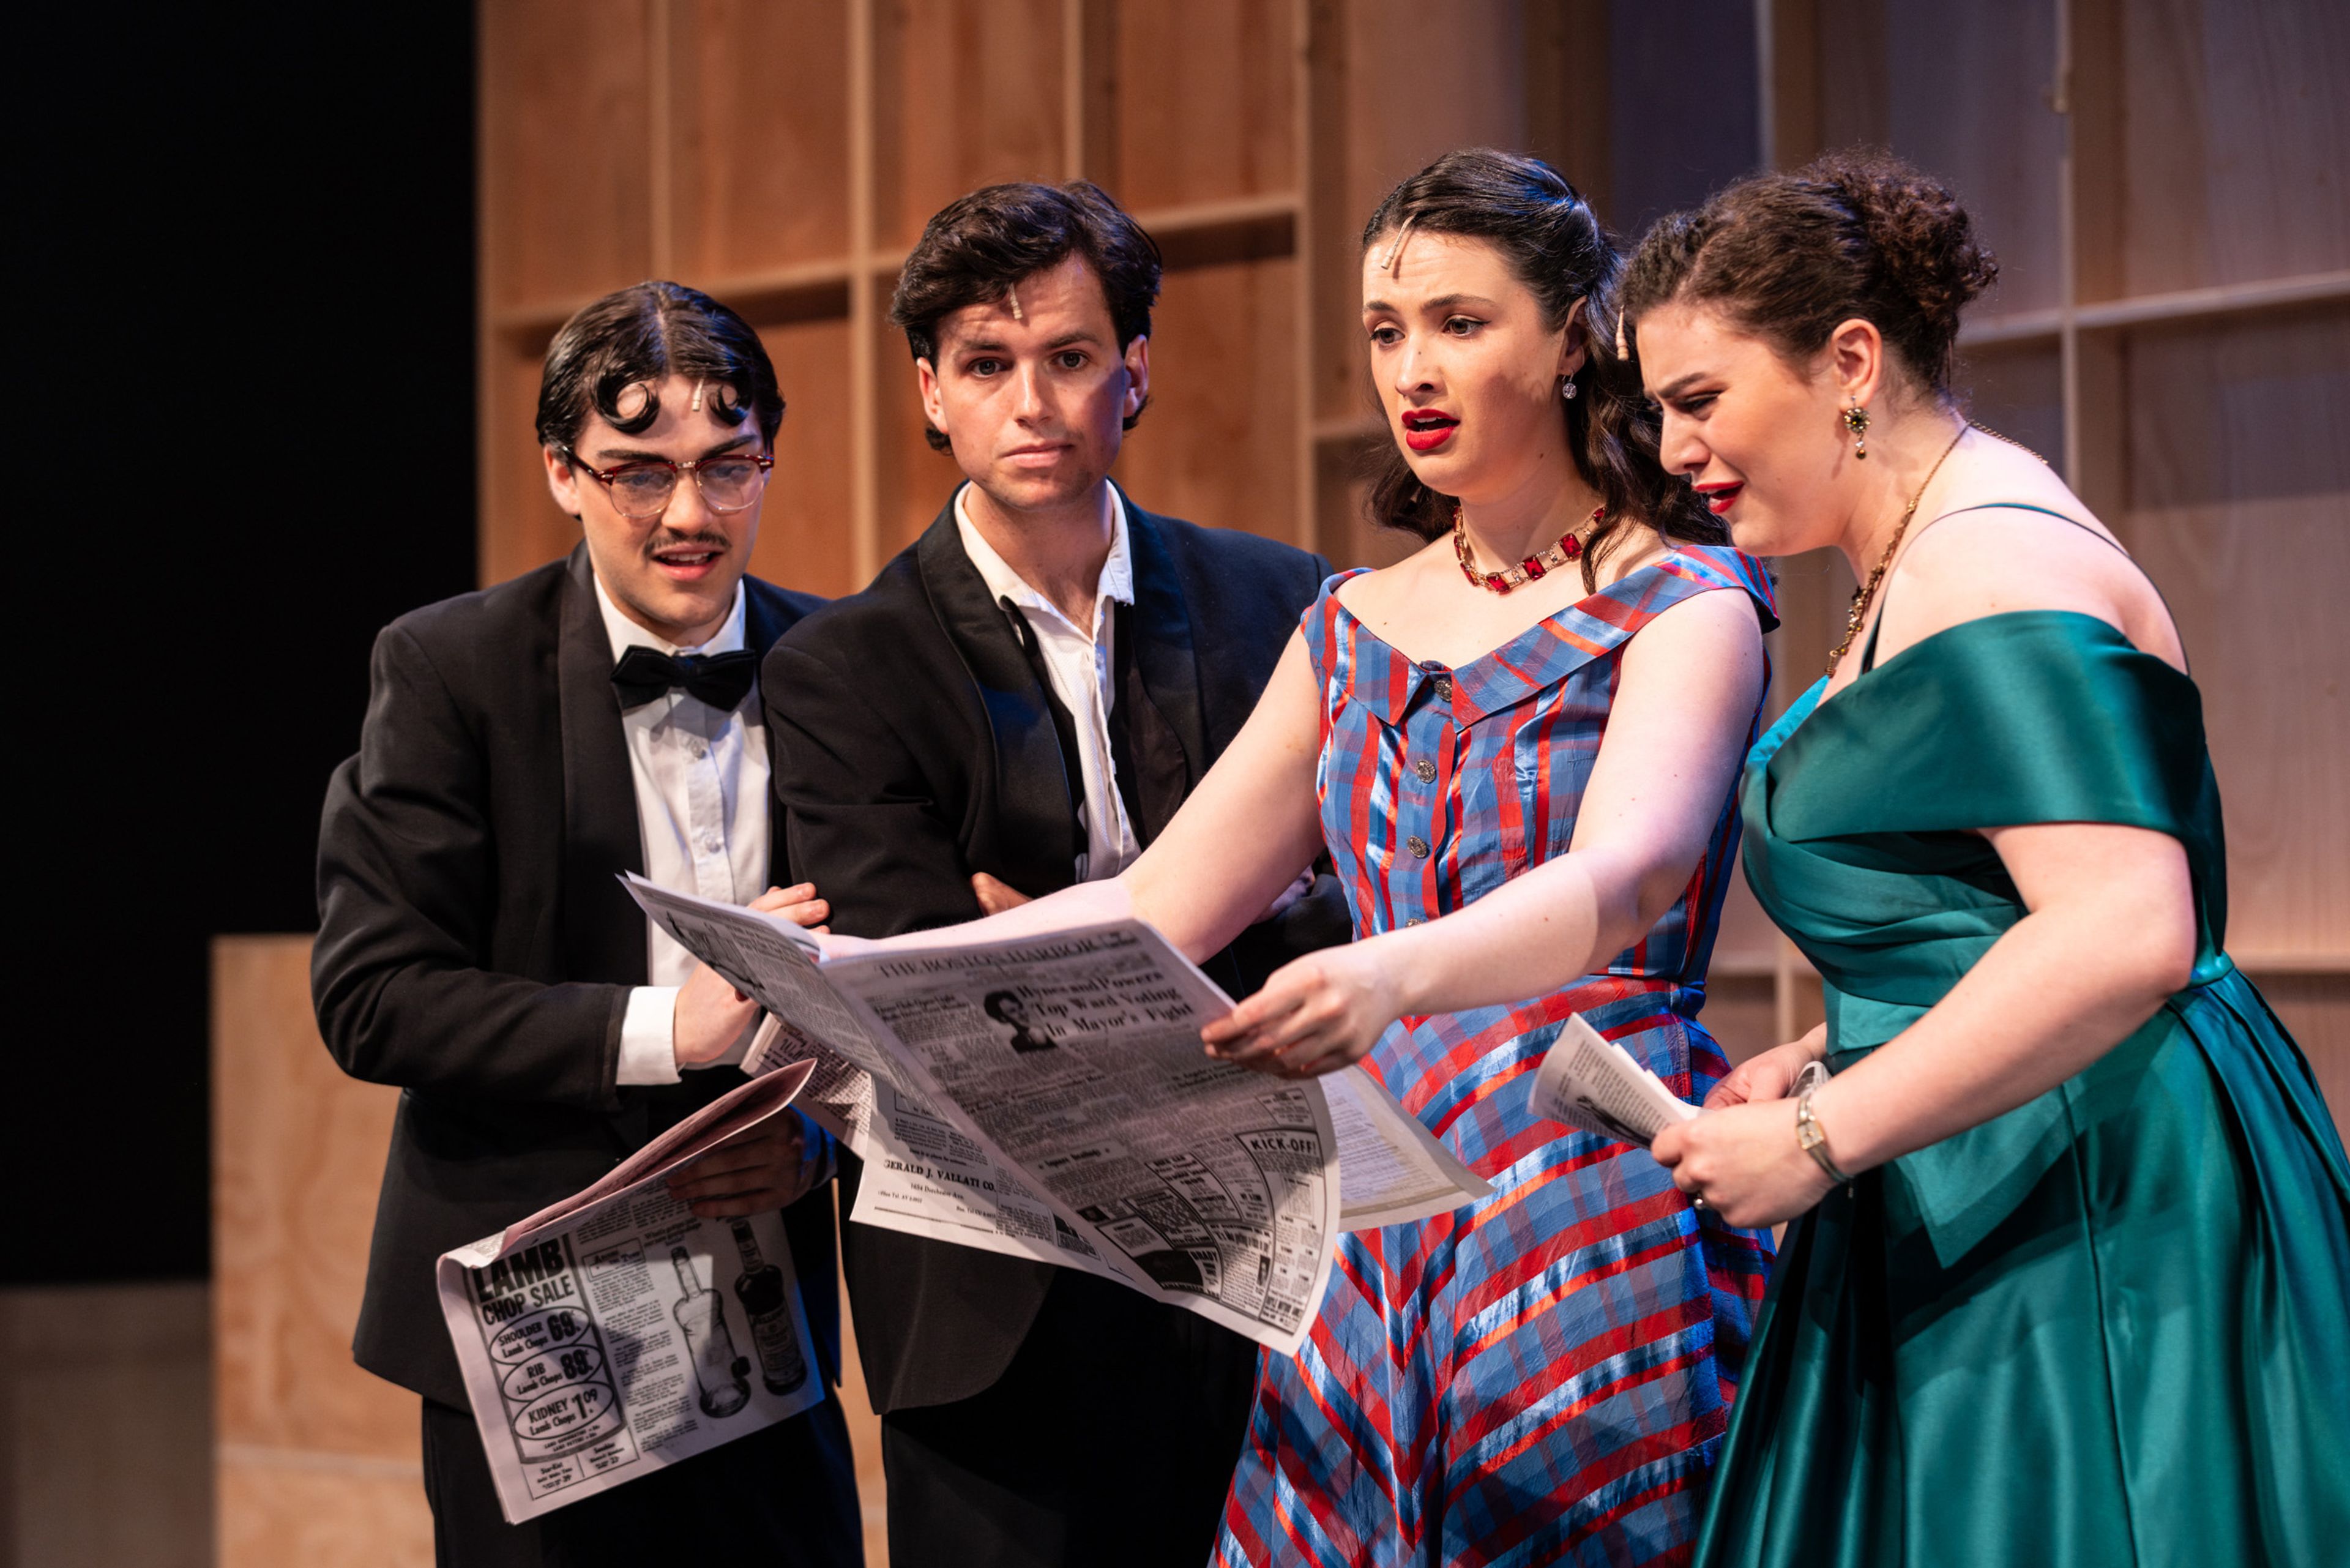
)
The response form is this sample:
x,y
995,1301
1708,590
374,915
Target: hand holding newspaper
x,y
1048,1096
1588,1080
596,1337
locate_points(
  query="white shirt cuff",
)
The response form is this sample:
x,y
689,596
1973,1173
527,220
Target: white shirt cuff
x,y
648,1036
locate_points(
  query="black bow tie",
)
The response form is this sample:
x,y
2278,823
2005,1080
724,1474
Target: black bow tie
x,y
721,679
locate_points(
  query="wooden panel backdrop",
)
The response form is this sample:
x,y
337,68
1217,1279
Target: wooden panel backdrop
x,y
317,1463
2162,178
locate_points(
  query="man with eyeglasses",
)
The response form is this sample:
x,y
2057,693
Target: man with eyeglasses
x,y
523,746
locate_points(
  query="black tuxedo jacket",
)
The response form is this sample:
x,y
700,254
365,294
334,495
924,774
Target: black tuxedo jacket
x,y
916,745
475,949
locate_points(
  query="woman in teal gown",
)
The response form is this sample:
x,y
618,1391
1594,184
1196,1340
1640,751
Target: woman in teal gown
x,y
2067,1279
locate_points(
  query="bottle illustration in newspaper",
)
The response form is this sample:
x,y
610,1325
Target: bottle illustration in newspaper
x,y
722,1376
767,1307
551,1362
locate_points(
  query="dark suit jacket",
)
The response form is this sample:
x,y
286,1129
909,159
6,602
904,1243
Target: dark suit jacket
x,y
916,745
475,949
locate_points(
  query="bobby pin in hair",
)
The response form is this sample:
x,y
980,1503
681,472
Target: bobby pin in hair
x,y
1396,249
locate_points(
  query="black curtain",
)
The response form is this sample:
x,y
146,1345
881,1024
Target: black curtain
x,y
243,399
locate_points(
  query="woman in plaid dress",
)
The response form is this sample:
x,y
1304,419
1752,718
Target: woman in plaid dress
x,y
1519,746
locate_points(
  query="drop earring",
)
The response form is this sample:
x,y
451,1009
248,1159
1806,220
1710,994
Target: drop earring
x,y
1567,388
1856,420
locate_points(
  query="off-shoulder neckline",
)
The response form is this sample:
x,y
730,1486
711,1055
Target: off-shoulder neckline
x,y
1931,637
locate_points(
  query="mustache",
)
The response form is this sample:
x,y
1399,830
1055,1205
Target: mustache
x,y
671,539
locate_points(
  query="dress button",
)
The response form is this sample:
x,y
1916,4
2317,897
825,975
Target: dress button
x,y
1424,770
1418,846
1444,688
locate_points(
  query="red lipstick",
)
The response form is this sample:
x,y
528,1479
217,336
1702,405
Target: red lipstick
x,y
1425,429
1720,498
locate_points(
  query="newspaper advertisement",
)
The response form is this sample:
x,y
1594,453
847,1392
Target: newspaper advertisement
x,y
1588,1080
617,1333
926,1178
1075,1058
929,1171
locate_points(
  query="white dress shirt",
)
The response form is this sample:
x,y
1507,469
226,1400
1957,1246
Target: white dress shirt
x,y
1078,661
700,778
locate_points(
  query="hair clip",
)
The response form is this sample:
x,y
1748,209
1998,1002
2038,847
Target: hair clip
x,y
1396,249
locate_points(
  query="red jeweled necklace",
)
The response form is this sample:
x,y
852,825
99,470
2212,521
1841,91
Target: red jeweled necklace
x,y
1567,549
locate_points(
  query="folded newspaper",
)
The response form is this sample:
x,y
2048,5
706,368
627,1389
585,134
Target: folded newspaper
x,y
1048,1098
617,1333
1588,1080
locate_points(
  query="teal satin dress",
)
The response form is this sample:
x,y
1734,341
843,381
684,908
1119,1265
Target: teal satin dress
x,y
2113,1325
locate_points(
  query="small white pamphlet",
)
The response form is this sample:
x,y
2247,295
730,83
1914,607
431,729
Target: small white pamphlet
x,y
1588,1080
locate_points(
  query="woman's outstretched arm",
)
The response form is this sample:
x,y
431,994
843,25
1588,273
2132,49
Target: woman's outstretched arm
x,y
1677,729
1242,838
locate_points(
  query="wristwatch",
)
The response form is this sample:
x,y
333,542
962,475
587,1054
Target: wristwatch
x,y
1809,1136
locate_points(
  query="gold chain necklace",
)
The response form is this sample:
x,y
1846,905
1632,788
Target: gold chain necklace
x,y
1978,424
1865,595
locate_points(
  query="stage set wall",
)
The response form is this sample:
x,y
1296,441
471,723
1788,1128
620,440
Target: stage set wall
x,y
2162,179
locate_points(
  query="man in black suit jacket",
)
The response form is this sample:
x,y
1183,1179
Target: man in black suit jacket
x,y
1021,701
476,949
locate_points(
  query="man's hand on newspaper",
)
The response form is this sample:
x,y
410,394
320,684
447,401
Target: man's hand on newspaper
x,y
768,1167
995,897
711,1014
1315,1015
799,904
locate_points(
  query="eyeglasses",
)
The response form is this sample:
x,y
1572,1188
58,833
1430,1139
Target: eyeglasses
x,y
642,490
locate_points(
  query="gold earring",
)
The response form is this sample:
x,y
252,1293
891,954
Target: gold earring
x,y
1856,420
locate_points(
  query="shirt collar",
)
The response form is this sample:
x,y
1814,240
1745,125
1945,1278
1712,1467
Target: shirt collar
x,y
625,634
1004,583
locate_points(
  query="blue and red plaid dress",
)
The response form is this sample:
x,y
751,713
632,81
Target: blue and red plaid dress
x,y
1543,1376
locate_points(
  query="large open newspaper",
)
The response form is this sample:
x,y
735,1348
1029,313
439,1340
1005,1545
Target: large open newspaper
x,y
1048,1097
617,1333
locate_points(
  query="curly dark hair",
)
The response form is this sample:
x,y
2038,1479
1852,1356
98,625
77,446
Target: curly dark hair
x,y
640,335
1556,246
979,246
1852,236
